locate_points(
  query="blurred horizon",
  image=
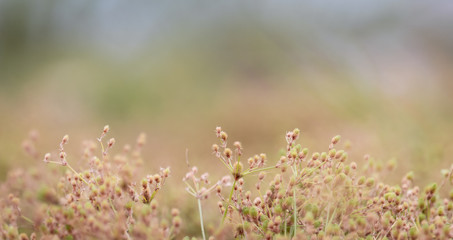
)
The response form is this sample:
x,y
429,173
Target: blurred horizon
x,y
379,74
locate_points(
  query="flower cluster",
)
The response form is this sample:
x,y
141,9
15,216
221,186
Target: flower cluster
x,y
299,195
325,197
102,201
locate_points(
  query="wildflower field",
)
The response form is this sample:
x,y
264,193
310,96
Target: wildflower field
x,y
303,195
226,120
240,171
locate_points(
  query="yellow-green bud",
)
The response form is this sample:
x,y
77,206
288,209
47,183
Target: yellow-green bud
x,y
237,170
336,139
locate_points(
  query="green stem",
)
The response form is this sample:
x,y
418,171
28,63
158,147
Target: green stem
x,y
154,193
78,174
295,211
327,218
27,219
102,147
201,219
113,207
294,169
331,218
229,199
190,189
226,165
257,170
284,217
170,233
427,210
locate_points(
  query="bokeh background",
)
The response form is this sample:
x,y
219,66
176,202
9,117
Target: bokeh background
x,y
378,73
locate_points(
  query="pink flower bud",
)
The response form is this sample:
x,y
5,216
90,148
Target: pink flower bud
x,y
46,157
106,129
111,142
65,139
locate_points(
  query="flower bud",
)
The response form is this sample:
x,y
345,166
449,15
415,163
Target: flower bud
x,y
65,139
361,180
332,153
237,170
157,178
315,156
106,129
111,142
166,172
174,212
215,147
176,222
370,182
328,179
339,154
336,139
47,157
223,136
218,130
227,152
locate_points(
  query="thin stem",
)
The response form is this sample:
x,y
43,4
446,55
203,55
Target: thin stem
x,y
257,170
113,207
261,196
201,218
170,233
295,211
229,199
191,193
327,217
294,203
59,163
226,165
154,194
284,217
427,209
102,146
243,227
80,176
387,233
27,219
190,188
331,218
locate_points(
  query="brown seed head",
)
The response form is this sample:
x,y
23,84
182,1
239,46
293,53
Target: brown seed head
x,y
166,172
227,152
237,145
215,148
65,139
106,129
237,170
223,136
157,178
218,130
111,142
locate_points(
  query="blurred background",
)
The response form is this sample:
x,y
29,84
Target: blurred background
x,y
377,73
